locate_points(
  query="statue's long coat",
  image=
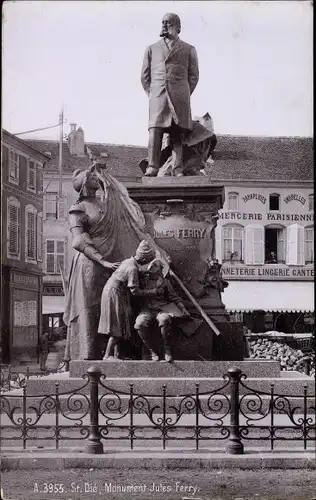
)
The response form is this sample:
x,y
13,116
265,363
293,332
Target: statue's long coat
x,y
169,77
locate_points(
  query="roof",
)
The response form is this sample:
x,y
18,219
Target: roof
x,y
236,158
24,142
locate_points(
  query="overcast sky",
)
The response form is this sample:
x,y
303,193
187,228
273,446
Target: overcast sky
x,y
255,65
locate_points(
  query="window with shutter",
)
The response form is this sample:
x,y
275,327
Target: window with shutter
x,y
60,256
258,245
50,256
309,245
232,243
39,171
31,175
40,237
218,243
55,256
5,161
62,207
300,246
31,233
13,228
51,206
295,245
254,238
13,166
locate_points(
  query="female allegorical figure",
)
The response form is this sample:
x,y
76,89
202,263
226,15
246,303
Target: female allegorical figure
x,y
90,269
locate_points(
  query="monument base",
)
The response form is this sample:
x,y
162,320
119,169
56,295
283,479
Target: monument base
x,y
181,215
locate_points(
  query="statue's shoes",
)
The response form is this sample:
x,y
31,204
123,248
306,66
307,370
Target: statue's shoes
x,y
168,358
151,171
111,358
154,357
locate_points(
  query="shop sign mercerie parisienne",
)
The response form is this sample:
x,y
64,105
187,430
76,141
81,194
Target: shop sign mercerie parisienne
x,y
267,217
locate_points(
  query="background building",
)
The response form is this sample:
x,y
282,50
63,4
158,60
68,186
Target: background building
x,y
264,235
21,248
58,250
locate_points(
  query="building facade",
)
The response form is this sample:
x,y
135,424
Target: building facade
x,y
58,251
265,242
264,236
22,248
265,232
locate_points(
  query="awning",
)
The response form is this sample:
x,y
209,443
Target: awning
x,y
53,304
282,296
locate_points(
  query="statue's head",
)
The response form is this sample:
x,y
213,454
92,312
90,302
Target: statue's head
x,y
144,253
171,26
155,268
85,182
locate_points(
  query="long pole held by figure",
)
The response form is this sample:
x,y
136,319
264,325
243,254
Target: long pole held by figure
x,y
60,165
195,303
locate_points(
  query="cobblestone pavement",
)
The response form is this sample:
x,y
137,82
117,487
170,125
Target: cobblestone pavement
x,y
82,484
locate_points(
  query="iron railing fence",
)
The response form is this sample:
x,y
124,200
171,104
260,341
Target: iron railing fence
x,y
98,416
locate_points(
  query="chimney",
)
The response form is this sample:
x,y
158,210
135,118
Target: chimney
x,y
76,140
80,142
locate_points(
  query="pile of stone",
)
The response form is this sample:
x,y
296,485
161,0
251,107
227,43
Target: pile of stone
x,y
289,358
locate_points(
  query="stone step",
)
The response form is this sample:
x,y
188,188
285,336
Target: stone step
x,y
140,369
290,383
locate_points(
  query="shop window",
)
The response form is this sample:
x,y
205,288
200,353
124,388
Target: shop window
x,y
232,243
233,201
55,256
13,228
31,176
14,167
274,202
311,202
30,233
274,245
309,245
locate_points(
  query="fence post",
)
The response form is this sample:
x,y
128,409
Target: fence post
x,y
234,446
95,446
307,366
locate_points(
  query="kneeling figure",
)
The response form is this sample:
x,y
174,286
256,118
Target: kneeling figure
x,y
159,308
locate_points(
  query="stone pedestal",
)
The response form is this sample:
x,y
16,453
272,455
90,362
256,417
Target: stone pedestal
x,y
181,215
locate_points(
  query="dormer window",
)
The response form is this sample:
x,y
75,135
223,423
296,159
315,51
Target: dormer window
x,y
274,201
311,202
233,201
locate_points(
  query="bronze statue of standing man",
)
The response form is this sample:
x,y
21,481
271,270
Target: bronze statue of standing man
x,y
170,74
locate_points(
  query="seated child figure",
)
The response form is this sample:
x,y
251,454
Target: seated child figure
x,y
158,308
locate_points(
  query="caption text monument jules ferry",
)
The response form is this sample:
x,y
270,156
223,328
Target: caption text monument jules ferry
x,y
145,282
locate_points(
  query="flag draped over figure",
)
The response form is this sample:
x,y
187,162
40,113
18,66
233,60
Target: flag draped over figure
x,y
111,230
